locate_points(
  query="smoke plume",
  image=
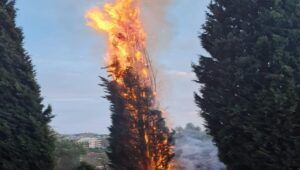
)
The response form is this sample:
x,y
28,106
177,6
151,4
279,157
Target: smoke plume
x,y
154,15
159,33
195,151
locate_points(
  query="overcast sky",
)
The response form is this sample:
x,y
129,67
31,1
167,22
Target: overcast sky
x,y
68,57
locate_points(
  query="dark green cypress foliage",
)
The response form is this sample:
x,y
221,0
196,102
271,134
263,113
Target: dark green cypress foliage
x,y
250,83
128,148
25,138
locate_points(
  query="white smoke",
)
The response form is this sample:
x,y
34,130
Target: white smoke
x,y
154,16
195,150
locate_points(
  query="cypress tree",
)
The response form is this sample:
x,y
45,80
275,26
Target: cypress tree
x,y
250,82
139,139
25,139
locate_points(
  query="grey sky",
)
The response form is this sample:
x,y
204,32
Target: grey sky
x,y
68,57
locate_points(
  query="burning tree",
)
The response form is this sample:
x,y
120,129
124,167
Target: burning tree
x,y
139,138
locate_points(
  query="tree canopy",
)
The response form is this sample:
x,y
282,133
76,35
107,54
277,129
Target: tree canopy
x,y
25,138
250,89
138,135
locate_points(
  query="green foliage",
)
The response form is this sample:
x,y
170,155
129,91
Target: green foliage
x,y
25,138
85,166
67,154
127,145
250,83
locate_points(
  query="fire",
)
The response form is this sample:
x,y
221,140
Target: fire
x,y
126,38
127,57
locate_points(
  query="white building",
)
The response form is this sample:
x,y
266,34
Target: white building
x,y
90,142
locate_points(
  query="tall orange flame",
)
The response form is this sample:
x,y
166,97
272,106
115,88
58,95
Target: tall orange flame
x,y
127,50
126,38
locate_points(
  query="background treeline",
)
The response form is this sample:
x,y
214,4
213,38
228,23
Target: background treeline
x,y
194,150
67,154
71,155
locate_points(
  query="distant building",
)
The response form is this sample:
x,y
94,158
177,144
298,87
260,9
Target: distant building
x,y
91,143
